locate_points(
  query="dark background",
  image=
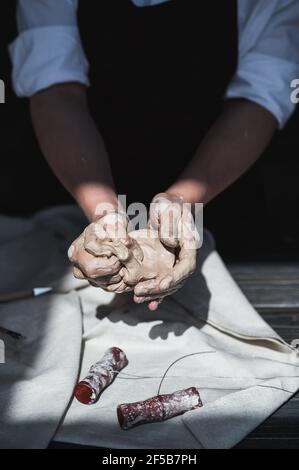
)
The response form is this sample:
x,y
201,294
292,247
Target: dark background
x,y
256,219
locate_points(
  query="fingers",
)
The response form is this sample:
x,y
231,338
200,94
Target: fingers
x,y
114,283
111,227
175,224
78,274
115,226
185,265
87,266
159,288
94,234
106,255
156,207
189,236
118,288
93,269
173,219
165,215
162,286
170,224
106,281
153,306
97,260
154,292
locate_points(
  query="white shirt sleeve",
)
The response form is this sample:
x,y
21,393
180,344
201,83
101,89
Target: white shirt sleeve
x,y
48,49
268,55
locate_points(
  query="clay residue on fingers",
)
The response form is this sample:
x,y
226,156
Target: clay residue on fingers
x,y
142,257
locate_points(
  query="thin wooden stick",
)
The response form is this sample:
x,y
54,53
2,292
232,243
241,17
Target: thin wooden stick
x,y
11,296
11,333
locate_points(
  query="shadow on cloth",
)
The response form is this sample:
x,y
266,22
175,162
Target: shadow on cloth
x,y
172,318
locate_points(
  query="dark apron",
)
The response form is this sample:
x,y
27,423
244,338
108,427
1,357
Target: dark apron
x,y
158,77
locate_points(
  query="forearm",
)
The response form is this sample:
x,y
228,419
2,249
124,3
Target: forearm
x,y
233,144
73,146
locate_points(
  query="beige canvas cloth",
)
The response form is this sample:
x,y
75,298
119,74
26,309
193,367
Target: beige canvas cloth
x,y
244,373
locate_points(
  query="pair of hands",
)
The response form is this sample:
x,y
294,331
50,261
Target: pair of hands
x,y
170,218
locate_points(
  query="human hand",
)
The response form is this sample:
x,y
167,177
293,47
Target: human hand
x,y
93,256
175,225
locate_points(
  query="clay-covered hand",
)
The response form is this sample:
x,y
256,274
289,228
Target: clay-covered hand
x,y
92,254
118,264
175,225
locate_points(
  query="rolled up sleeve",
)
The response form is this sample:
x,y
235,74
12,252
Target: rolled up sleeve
x,y
265,80
46,55
267,67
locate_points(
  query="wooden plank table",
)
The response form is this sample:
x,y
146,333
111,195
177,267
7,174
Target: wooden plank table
x,y
273,289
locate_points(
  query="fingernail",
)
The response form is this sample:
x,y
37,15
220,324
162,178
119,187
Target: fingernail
x,y
71,251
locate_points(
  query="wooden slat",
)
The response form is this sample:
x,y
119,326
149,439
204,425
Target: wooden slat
x,y
265,272
269,287
274,292
281,430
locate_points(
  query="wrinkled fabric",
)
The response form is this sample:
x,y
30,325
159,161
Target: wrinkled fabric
x,y
244,371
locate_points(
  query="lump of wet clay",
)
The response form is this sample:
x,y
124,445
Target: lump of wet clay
x,y
143,257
